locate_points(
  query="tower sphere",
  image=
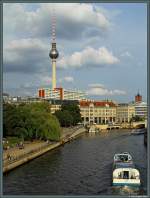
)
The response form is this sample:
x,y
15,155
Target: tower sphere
x,y
53,52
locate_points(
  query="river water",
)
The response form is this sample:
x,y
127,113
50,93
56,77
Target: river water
x,y
81,167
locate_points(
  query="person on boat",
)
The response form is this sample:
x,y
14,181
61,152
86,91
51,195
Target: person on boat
x,y
132,177
125,158
122,158
125,175
119,175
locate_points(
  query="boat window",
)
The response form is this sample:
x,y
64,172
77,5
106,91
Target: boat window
x,y
124,158
125,174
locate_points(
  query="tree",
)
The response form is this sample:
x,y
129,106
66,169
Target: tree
x,y
65,118
11,119
31,121
74,110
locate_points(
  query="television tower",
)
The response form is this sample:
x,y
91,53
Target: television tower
x,y
53,54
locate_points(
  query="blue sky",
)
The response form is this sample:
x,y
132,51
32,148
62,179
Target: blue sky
x,y
102,48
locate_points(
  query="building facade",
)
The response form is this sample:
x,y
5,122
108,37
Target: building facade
x,y
61,94
124,112
141,110
55,105
99,112
47,93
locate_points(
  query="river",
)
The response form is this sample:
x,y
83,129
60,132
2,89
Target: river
x,y
81,167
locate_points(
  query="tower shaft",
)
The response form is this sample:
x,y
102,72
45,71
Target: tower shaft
x,y
53,74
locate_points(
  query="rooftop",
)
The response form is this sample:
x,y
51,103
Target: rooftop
x,y
98,103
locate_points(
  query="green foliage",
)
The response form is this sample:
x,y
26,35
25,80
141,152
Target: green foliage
x,y
12,141
30,121
69,115
136,119
64,117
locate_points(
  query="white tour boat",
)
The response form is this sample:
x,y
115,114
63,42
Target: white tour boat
x,y
124,172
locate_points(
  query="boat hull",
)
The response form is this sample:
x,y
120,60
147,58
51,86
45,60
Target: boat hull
x,y
126,182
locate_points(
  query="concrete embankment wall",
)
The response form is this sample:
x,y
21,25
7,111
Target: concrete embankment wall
x,y
77,132
30,156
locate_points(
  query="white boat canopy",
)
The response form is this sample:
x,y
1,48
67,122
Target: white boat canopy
x,y
126,173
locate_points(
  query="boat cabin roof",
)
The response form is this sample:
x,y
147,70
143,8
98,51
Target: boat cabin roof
x,y
124,165
122,157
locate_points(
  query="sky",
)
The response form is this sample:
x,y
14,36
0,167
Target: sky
x,y
102,48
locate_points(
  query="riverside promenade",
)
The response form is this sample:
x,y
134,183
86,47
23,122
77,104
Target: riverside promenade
x,y
14,157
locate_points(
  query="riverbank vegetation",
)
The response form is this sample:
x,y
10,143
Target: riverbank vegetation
x,y
69,115
11,141
30,121
137,118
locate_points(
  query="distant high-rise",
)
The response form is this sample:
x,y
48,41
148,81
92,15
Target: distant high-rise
x,y
53,54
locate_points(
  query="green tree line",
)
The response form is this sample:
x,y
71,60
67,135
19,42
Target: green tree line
x,y
69,115
30,121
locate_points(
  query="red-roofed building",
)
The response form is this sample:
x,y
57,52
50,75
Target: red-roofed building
x,y
99,112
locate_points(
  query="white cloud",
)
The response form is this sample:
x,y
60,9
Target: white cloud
x,y
73,20
26,55
31,55
96,85
67,79
89,57
27,43
26,85
101,90
26,50
114,13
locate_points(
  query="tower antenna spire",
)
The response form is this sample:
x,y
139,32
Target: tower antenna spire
x,y
53,26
